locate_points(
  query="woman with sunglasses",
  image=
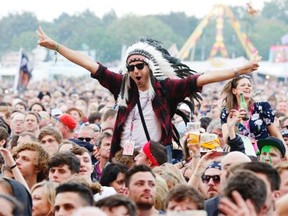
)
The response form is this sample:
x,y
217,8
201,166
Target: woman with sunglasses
x,y
151,81
259,122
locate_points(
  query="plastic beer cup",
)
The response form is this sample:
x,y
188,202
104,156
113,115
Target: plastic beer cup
x,y
193,129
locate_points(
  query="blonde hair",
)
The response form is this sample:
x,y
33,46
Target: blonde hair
x,y
49,192
161,193
170,174
281,167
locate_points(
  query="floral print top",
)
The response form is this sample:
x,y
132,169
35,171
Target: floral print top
x,y
261,115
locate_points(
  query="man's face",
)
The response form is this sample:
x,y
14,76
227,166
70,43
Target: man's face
x,y
86,167
184,205
66,203
142,189
210,181
104,149
60,174
284,182
141,158
17,123
140,76
87,134
31,123
25,162
50,144
230,159
271,155
270,194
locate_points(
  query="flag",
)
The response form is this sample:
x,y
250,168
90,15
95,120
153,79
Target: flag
x,y
24,73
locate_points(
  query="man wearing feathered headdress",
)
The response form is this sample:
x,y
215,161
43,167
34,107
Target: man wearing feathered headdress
x,y
151,76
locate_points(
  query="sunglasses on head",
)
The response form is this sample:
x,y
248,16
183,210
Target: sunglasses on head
x,y
139,66
206,178
86,139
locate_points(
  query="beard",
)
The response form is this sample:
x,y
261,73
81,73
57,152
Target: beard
x,y
144,205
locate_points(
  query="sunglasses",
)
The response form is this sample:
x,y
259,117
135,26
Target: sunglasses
x,y
206,178
139,66
86,139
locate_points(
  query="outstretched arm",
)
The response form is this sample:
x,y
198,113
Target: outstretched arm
x,y
72,55
218,76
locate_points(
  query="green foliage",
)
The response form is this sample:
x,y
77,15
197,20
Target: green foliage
x,y
108,35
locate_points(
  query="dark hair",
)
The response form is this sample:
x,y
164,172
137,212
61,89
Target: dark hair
x,y
116,201
22,103
4,135
249,187
82,190
136,169
94,117
159,152
14,141
38,103
67,158
110,173
182,192
17,207
6,126
265,169
205,121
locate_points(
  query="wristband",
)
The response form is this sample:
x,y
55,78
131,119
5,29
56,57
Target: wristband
x,y
12,167
57,47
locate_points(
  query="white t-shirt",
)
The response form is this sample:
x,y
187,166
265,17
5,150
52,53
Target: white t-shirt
x,y
138,133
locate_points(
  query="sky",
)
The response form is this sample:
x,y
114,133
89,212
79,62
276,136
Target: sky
x,y
47,10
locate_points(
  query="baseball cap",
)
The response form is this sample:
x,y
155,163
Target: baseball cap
x,y
67,120
273,141
56,112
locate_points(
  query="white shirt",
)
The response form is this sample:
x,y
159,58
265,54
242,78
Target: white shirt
x,y
138,133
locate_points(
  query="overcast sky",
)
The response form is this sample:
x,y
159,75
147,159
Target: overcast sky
x,y
47,10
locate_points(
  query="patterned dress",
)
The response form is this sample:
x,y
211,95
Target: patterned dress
x,y
261,115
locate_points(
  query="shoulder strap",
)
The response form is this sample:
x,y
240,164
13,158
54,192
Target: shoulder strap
x,y
143,120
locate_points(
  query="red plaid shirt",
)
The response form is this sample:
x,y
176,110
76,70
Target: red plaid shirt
x,y
168,94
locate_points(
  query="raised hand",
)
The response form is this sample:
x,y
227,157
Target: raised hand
x,y
238,208
44,40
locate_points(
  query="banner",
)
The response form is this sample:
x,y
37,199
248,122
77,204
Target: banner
x,y
24,74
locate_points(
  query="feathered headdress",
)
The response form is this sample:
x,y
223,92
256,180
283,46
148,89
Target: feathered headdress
x,y
162,65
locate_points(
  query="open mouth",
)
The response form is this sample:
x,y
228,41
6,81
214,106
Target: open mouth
x,y
138,78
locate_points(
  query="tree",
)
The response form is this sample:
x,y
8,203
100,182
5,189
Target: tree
x,y
276,9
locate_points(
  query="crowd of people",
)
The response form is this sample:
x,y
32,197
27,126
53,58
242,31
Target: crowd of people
x,y
106,144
